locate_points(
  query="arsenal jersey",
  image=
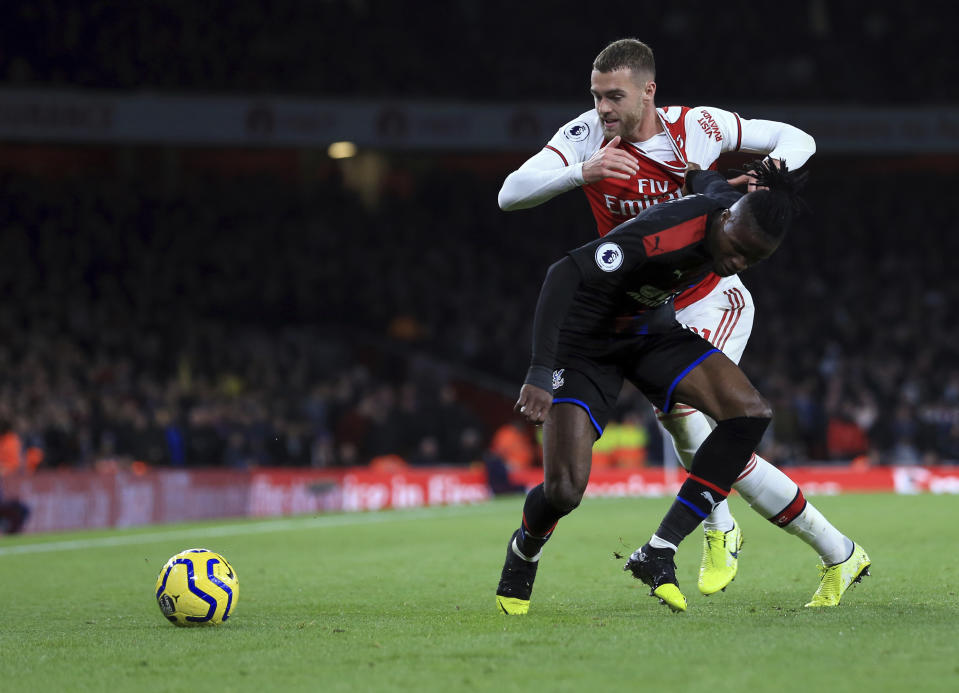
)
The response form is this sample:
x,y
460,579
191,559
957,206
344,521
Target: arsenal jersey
x,y
698,134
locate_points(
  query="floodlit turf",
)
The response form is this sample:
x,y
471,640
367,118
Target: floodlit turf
x,y
404,601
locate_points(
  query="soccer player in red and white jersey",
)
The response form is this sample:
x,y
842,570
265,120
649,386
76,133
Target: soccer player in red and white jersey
x,y
627,154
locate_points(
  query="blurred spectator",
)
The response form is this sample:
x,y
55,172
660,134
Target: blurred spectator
x,y
13,514
623,443
513,445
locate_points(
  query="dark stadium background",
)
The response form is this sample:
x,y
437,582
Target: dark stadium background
x,y
173,301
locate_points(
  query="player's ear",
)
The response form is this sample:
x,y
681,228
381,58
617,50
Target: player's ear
x,y
650,90
724,218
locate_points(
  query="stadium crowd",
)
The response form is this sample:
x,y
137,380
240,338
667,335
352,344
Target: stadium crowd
x,y
246,321
822,51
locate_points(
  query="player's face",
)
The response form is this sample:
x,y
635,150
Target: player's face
x,y
736,243
621,99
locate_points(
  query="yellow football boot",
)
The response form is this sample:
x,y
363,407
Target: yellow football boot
x,y
655,567
670,595
512,605
836,579
516,581
720,559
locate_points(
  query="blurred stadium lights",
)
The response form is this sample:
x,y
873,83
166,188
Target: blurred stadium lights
x,y
341,150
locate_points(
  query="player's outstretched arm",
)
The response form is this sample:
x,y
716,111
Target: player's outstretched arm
x,y
712,131
541,177
778,141
559,287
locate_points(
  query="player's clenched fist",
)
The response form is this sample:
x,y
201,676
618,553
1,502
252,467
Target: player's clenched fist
x,y
610,162
533,403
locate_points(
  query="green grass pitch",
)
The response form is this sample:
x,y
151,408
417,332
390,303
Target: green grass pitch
x,y
404,601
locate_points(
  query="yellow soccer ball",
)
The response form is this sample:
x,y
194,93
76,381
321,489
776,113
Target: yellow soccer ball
x,y
197,587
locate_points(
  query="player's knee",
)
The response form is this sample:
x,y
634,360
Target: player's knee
x,y
754,406
688,433
759,407
565,494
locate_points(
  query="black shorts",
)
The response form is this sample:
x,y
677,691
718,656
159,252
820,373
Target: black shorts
x,y
590,372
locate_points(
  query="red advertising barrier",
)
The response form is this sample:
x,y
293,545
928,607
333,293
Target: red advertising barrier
x,y
288,492
77,500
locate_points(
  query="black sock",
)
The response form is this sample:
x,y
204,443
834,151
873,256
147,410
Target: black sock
x,y
539,521
693,503
726,451
719,460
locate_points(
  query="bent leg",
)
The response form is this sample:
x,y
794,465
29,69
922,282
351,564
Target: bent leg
x,y
767,489
567,446
568,437
718,388
775,496
689,429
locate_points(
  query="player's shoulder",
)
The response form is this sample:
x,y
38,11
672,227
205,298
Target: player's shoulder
x,y
704,123
707,117
677,114
581,132
696,111
672,115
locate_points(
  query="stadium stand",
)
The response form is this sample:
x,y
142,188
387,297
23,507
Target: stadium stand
x,y
214,321
823,51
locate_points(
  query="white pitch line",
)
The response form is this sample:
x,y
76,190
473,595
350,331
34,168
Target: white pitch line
x,y
239,528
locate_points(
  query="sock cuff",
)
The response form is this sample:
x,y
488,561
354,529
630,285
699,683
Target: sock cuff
x,y
528,559
526,532
791,511
746,423
657,542
728,450
709,485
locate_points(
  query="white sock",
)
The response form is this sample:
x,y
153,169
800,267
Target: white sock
x,y
767,490
720,518
524,556
813,528
771,493
656,542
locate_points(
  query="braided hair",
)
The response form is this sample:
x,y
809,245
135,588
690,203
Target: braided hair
x,y
776,208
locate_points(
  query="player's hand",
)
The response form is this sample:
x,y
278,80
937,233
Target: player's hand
x,y
610,162
533,403
749,180
690,166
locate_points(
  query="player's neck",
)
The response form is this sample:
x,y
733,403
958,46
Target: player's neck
x,y
649,127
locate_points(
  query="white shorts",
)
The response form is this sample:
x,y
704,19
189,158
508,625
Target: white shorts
x,y
723,317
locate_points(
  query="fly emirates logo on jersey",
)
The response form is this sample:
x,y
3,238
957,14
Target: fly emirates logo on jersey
x,y
615,201
653,191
